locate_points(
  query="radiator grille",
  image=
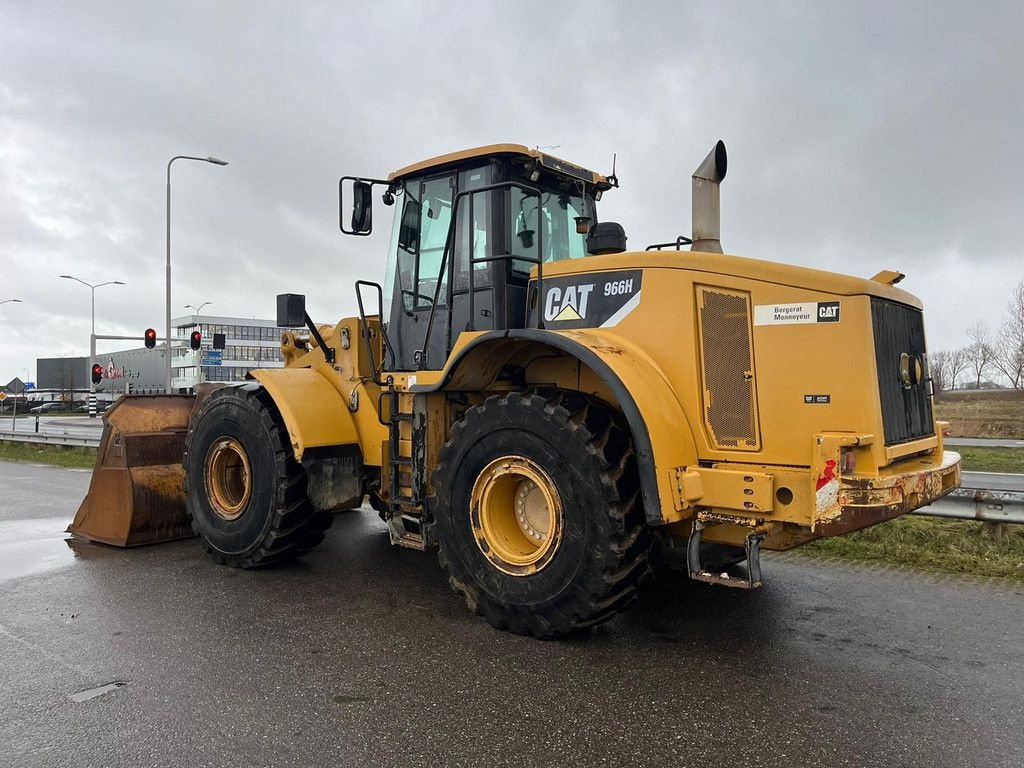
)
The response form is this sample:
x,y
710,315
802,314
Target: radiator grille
x,y
727,368
906,412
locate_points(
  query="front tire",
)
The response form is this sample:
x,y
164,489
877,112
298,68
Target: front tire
x,y
538,514
245,493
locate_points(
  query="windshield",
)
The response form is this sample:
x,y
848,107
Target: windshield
x,y
549,220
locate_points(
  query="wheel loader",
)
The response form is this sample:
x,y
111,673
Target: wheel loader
x,y
546,407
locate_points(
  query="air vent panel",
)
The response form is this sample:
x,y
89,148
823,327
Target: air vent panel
x,y
727,368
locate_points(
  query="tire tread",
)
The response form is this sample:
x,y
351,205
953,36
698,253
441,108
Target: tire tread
x,y
624,557
296,527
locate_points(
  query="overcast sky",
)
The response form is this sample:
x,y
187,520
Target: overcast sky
x,y
861,136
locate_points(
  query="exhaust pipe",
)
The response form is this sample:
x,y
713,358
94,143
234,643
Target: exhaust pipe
x,y
704,201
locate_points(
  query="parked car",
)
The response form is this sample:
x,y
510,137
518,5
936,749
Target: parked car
x,y
53,407
100,407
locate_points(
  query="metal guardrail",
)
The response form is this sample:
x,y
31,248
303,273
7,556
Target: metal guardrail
x,y
50,438
962,504
978,504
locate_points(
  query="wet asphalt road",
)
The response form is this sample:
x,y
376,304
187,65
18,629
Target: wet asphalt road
x,y
361,656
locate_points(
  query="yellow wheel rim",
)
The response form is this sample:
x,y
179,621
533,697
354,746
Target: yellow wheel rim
x,y
516,515
228,478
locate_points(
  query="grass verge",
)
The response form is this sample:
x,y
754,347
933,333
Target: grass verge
x,y
953,546
990,459
58,455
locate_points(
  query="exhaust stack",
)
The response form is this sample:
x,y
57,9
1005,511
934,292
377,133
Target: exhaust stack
x,y
704,200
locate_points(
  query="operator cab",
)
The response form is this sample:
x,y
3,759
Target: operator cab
x,y
468,229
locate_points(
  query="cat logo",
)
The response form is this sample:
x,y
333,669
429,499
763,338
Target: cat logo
x,y
828,311
567,304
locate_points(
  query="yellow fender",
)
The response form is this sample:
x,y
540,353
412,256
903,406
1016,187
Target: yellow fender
x,y
314,411
662,437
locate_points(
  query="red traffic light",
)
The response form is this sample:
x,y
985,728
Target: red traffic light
x,y
97,373
196,340
150,337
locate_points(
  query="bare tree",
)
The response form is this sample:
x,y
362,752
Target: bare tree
x,y
1009,347
946,366
957,365
938,367
979,351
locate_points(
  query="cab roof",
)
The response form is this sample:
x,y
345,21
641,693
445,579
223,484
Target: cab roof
x,y
548,161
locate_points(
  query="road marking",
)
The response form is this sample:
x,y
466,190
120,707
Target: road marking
x,y
42,651
93,693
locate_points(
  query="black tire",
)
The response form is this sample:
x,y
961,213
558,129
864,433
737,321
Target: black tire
x,y
601,557
277,522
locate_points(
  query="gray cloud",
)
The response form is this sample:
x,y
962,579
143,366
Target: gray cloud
x,y
861,136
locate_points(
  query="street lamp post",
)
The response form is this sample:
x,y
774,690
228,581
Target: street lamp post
x,y
215,161
92,337
7,301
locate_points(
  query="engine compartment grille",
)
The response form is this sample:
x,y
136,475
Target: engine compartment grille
x,y
906,410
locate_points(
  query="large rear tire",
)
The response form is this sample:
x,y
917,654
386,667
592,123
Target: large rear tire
x,y
538,514
245,493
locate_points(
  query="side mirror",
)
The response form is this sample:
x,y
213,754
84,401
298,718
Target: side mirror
x,y
362,204
291,310
409,229
362,207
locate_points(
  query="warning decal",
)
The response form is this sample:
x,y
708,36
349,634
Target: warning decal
x,y
789,314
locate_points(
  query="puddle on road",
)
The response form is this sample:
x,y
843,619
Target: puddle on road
x,y
30,547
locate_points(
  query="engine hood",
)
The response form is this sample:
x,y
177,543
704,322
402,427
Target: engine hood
x,y
736,266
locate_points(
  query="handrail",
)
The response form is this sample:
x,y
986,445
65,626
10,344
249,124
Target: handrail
x,y
365,328
473,261
677,244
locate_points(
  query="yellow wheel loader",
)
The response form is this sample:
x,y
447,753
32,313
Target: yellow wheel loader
x,y
546,407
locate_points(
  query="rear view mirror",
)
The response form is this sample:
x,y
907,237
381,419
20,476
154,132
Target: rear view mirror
x,y
362,203
409,230
362,207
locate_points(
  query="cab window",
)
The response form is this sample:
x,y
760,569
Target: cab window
x,y
473,230
549,218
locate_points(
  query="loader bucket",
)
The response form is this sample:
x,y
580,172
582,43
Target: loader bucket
x,y
137,493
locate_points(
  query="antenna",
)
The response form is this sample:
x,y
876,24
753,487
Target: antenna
x,y
612,178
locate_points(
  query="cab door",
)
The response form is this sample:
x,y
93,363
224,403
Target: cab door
x,y
416,280
476,237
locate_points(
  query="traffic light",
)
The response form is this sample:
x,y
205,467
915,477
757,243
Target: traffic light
x,y
97,373
150,338
196,340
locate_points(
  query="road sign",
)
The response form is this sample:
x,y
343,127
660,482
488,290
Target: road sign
x,y
3,396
